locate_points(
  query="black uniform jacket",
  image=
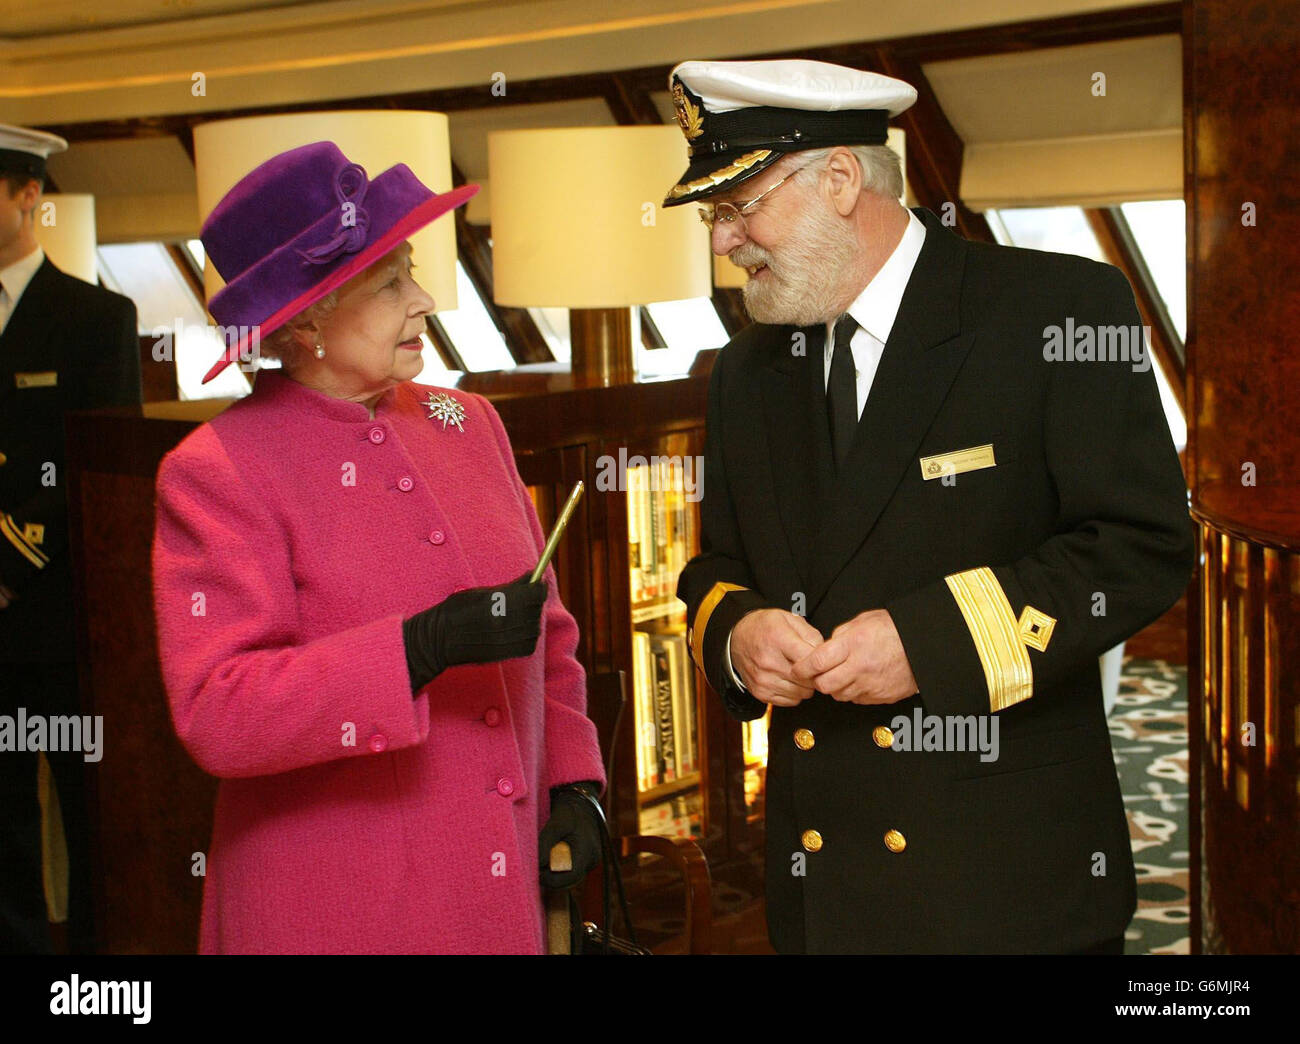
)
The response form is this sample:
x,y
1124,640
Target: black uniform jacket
x,y
1005,583
68,346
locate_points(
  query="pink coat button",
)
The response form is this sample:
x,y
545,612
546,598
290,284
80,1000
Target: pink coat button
x,y
405,484
504,787
379,743
436,537
492,717
376,435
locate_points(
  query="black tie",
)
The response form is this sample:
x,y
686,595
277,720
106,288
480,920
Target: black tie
x,y
842,390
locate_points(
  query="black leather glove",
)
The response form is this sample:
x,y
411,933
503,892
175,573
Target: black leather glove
x,y
574,819
474,626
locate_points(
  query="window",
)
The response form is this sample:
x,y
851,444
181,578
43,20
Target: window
x,y
472,330
172,315
1159,228
686,327
1066,230
553,325
146,273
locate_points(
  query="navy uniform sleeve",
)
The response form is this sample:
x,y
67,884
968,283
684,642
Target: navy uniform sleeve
x,y
35,530
990,637
716,584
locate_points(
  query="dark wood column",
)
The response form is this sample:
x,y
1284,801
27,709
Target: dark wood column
x,y
1243,372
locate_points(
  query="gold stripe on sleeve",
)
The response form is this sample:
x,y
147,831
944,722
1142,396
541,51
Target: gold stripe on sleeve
x,y
10,530
1036,628
996,633
696,636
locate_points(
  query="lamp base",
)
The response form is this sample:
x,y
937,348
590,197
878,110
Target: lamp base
x,y
601,340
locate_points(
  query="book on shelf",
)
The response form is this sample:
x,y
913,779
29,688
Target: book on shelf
x,y
660,529
678,816
681,683
670,758
647,730
667,726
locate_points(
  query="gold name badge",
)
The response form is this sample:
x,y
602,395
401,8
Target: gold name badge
x,y
954,463
45,379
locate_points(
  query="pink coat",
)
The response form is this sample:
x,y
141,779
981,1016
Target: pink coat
x,y
352,818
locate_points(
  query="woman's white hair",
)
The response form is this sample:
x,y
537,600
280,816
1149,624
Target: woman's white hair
x,y
882,170
282,343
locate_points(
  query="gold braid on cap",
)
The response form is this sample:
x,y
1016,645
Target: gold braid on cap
x,y
688,113
738,166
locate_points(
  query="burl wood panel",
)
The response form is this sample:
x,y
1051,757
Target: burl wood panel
x,y
152,805
1243,309
1243,224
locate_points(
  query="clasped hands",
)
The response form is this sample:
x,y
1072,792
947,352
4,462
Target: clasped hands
x,y
783,659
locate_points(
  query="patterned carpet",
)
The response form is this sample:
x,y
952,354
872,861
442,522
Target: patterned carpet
x,y
1148,731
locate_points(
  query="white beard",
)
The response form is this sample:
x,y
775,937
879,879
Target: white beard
x,y
804,281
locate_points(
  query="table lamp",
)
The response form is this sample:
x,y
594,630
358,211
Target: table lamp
x,y
577,223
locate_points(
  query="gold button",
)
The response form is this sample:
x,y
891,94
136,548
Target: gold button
x,y
804,739
883,736
895,841
811,840
3,458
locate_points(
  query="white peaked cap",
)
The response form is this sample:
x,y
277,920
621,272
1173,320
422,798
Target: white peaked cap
x,y
741,117
24,151
794,83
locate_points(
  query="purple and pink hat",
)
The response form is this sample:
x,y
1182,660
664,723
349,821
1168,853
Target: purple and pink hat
x,y
301,225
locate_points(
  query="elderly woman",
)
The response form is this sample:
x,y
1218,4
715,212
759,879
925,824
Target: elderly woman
x,y
346,626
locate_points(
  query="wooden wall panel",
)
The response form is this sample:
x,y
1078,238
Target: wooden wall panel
x,y
1243,369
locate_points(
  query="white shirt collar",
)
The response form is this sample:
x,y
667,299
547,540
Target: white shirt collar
x,y
16,277
876,308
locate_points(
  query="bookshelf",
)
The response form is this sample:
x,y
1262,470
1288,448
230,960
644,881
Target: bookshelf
x,y
661,532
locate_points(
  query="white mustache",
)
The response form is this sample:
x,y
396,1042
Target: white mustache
x,y
748,255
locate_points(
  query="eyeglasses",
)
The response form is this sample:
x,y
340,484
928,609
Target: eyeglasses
x,y
729,213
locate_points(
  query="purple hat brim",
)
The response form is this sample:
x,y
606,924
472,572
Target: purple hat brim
x,y
422,214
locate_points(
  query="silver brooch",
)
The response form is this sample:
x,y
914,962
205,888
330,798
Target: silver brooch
x,y
446,409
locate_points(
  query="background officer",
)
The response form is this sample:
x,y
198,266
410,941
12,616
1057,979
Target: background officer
x,y
64,345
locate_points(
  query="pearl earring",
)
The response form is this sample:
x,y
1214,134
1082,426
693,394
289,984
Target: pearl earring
x,y
320,350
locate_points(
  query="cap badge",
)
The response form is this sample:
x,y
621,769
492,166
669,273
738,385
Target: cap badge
x,y
446,409
688,114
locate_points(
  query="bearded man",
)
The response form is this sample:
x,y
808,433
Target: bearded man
x,y
922,523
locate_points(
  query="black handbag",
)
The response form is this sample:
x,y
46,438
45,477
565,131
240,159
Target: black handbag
x,y
587,938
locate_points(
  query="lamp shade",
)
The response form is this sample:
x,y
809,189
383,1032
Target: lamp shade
x,y
577,221
65,229
226,150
